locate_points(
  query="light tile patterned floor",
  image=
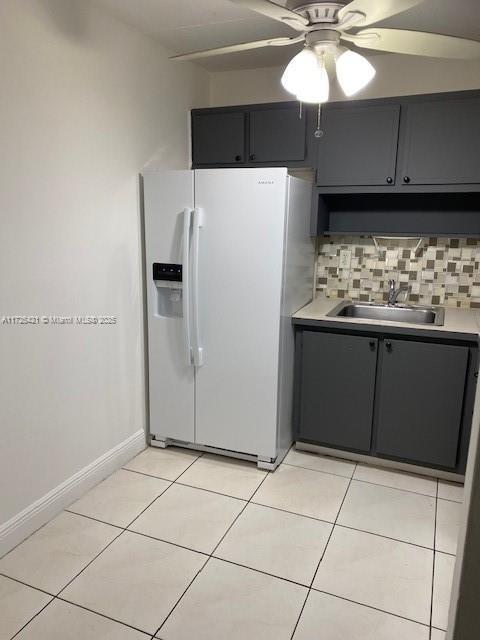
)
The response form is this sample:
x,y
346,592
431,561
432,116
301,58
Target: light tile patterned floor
x,y
182,546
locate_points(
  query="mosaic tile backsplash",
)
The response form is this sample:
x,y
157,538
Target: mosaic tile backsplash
x,y
443,271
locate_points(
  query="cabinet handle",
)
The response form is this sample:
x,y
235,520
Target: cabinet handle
x,y
388,346
372,345
238,158
389,180
252,156
406,179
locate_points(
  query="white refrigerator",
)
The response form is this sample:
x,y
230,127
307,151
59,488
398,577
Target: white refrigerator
x,y
229,259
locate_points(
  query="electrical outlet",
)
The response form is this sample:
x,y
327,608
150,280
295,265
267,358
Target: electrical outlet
x,y
345,259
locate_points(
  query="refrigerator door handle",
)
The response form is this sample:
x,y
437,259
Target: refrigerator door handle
x,y
186,294
198,223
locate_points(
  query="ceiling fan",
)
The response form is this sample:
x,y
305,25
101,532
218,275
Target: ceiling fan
x,y
325,27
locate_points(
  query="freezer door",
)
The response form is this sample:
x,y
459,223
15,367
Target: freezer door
x,y
168,197
239,233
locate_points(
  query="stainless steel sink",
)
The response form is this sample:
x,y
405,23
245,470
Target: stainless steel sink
x,y
394,313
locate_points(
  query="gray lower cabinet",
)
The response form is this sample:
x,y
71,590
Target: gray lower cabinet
x,y
405,399
421,388
337,389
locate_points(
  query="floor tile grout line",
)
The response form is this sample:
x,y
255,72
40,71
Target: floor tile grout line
x,y
381,535
238,516
210,555
433,562
265,573
218,493
84,515
388,486
89,563
138,533
293,513
448,500
202,454
103,615
323,553
301,466
149,505
33,617
381,484
149,475
181,596
369,606
300,614
25,584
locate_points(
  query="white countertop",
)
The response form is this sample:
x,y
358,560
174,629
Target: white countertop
x,y
463,321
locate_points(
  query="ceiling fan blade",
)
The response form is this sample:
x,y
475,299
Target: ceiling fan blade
x,y
276,12
233,48
376,10
415,43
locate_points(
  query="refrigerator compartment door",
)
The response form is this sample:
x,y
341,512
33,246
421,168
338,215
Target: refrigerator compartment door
x,y
240,268
171,378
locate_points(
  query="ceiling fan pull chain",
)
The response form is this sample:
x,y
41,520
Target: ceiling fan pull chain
x,y
319,131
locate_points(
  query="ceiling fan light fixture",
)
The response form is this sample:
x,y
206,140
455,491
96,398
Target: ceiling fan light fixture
x,y
354,72
299,71
318,88
306,77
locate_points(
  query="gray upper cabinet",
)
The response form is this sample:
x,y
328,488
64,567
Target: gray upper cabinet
x,y
337,390
420,402
440,141
253,135
218,137
277,135
358,146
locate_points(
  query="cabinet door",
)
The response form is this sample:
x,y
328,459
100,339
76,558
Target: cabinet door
x,y
337,390
277,135
358,146
420,401
440,142
218,138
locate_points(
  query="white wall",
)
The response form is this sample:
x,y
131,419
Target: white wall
x,y
396,75
85,103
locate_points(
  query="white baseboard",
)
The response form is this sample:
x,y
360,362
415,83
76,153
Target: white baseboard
x,y
45,508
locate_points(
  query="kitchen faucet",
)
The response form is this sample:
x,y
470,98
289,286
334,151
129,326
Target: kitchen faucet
x,y
394,293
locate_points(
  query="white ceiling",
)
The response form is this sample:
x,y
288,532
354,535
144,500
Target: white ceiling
x,y
190,25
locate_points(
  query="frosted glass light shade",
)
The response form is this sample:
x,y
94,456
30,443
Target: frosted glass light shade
x,y
353,72
318,88
299,71
306,77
